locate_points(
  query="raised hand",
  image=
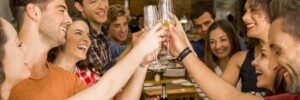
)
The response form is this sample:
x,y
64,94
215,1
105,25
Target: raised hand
x,y
151,40
177,41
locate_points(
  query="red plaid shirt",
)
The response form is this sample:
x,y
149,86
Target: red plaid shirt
x,y
87,76
90,78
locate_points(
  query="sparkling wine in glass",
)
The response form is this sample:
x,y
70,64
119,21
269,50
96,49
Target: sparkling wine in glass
x,y
166,12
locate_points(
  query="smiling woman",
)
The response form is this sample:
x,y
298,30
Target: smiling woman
x,y
221,42
72,55
267,76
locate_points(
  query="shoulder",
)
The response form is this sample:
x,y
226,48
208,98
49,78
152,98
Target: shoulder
x,y
239,57
68,78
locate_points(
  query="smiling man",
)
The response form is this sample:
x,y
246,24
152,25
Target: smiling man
x,y
95,11
117,23
45,26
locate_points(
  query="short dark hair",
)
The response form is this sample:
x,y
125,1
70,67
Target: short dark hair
x,y
79,1
3,40
200,11
277,7
231,33
40,3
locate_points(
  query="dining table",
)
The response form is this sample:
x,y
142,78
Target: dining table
x,y
176,89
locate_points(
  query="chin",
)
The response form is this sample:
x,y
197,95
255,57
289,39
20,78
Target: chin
x,y
259,85
101,20
82,57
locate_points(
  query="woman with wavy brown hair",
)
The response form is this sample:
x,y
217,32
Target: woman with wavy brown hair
x,y
221,42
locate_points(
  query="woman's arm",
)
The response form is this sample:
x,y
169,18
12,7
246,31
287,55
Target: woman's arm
x,y
133,89
211,84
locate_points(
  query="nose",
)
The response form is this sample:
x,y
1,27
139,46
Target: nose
x,y
68,19
204,28
254,62
124,29
246,16
218,45
101,4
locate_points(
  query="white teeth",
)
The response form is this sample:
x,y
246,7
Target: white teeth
x,y
258,72
82,47
220,50
101,13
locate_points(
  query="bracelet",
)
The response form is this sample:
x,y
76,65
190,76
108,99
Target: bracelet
x,y
183,54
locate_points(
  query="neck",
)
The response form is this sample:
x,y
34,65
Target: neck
x,y
6,88
223,63
114,41
96,26
264,38
37,50
66,61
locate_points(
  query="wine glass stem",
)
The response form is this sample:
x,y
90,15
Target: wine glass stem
x,y
155,57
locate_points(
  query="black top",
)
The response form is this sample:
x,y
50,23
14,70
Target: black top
x,y
248,75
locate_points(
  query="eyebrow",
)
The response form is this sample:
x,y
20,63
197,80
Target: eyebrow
x,y
223,36
61,6
262,50
206,22
78,30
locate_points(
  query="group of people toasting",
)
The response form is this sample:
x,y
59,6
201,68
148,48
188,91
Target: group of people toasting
x,y
56,57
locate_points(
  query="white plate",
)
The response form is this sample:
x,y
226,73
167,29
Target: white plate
x,y
148,84
153,88
187,84
179,81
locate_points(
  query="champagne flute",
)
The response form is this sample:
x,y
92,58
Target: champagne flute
x,y
150,19
166,12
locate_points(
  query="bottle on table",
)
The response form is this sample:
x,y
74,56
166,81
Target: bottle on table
x,y
164,95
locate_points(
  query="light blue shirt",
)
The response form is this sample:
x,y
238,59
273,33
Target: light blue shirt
x,y
116,49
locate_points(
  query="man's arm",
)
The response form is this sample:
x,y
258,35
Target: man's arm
x,y
115,78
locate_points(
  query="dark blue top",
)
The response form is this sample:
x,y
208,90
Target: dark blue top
x,y
198,46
